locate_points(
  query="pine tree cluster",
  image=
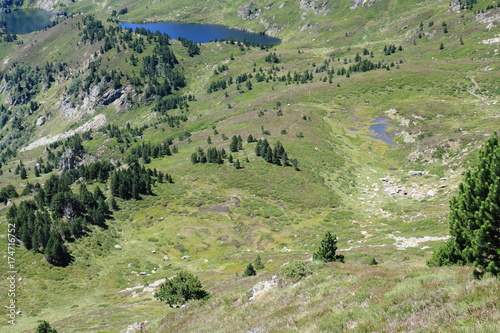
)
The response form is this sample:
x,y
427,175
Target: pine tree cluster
x,y
213,155
192,46
236,144
277,156
56,213
147,151
130,183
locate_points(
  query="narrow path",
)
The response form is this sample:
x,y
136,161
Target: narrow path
x,y
473,91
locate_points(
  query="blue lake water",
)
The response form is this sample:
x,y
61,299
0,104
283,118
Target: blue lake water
x,y
380,120
202,33
24,21
381,129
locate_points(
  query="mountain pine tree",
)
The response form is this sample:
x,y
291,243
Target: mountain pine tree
x,y
257,264
44,327
55,251
475,216
327,248
249,271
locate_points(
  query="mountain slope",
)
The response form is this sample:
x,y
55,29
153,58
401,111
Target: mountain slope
x,y
427,78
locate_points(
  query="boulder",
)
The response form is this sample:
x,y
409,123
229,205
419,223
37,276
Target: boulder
x,y
41,120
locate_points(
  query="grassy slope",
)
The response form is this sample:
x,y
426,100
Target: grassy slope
x,y
339,188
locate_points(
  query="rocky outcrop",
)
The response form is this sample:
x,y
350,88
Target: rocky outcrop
x,y
109,97
360,3
138,327
318,7
51,4
249,12
69,160
262,288
98,121
491,18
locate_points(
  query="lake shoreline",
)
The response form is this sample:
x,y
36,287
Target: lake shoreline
x,y
203,32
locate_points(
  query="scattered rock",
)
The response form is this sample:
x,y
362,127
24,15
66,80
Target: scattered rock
x,y
40,121
185,257
119,247
166,257
138,327
402,242
358,3
417,173
261,288
318,7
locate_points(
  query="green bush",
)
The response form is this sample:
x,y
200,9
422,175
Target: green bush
x,y
180,289
296,270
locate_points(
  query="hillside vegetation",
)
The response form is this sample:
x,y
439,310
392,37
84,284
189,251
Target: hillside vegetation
x,y
128,157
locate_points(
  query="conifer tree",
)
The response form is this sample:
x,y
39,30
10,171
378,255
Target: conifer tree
x,y
237,164
475,216
327,249
55,251
44,327
250,270
233,146
257,264
22,173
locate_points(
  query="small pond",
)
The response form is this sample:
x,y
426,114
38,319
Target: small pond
x,y
24,21
381,130
202,33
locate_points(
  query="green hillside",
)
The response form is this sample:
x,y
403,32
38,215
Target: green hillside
x,y
133,157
